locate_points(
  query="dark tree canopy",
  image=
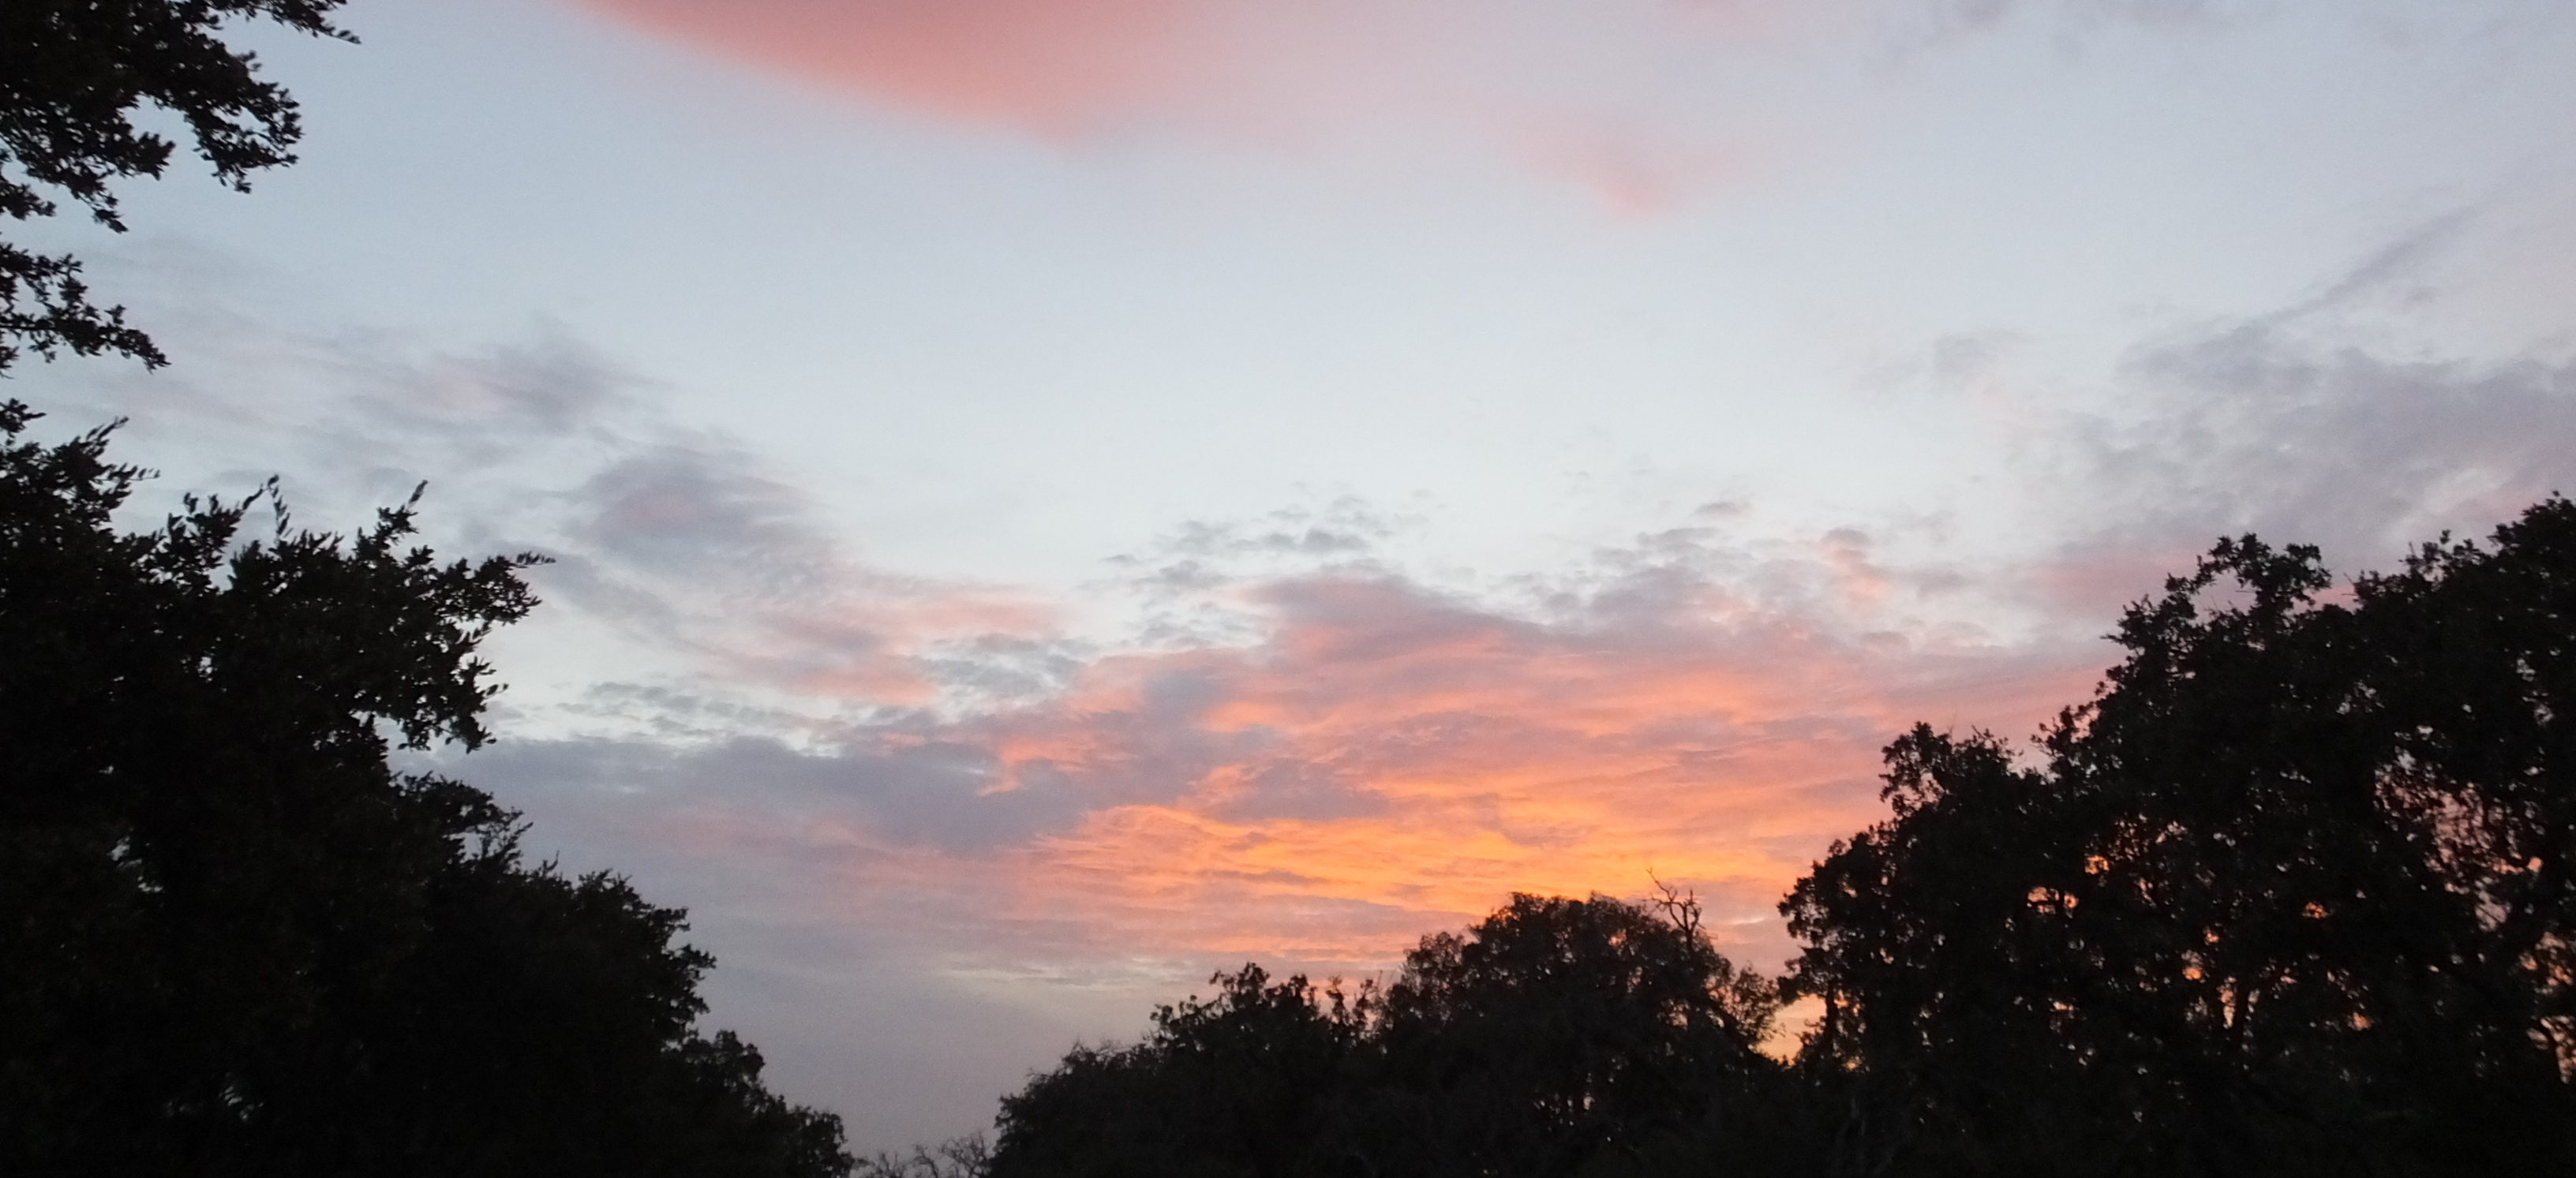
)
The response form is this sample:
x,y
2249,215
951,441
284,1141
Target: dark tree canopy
x,y
234,940
2292,894
1556,1037
75,75
1239,1084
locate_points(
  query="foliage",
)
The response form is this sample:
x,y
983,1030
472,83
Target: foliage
x,y
234,940
2292,894
1562,1033
1237,1084
75,76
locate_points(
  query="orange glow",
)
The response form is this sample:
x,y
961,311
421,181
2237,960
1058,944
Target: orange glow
x,y
1387,761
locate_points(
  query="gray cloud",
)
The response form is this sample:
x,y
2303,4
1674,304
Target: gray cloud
x,y
2247,427
692,510
937,792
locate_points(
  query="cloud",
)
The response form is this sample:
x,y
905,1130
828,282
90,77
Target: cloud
x,y
1621,97
1049,67
1985,15
685,542
1378,757
701,561
2308,424
1645,104
1344,528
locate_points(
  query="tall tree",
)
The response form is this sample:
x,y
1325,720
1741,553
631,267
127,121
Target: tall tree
x,y
234,940
75,76
2291,894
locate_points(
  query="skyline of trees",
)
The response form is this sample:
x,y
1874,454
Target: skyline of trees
x,y
2293,893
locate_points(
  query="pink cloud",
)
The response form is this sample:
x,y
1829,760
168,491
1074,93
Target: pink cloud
x,y
1613,98
1041,64
1632,171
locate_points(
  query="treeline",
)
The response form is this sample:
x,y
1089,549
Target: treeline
x,y
2291,895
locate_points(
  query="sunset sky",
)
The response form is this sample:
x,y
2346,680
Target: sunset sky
x,y
1049,498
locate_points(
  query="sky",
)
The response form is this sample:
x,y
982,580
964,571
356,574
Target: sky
x,y
1051,498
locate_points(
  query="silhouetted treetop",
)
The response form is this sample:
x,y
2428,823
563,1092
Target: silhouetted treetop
x,y
234,940
75,77
2290,894
1555,1037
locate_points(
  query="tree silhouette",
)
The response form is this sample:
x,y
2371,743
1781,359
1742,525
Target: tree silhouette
x,y
1561,1033
2290,895
1236,1084
1555,1037
74,77
233,940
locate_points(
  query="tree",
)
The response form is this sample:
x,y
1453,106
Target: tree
x,y
1555,1037
1936,941
74,77
233,940
2290,895
1560,1034
1236,1084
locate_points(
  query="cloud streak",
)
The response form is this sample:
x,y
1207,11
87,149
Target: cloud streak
x,y
1630,99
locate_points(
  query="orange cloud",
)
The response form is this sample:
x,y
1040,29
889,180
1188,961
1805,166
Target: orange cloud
x,y
1388,760
1361,759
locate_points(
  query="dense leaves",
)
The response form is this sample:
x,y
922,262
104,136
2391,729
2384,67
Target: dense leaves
x,y
233,940
75,77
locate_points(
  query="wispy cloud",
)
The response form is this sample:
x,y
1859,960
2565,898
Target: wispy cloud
x,y
2305,423
1621,97
1645,104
